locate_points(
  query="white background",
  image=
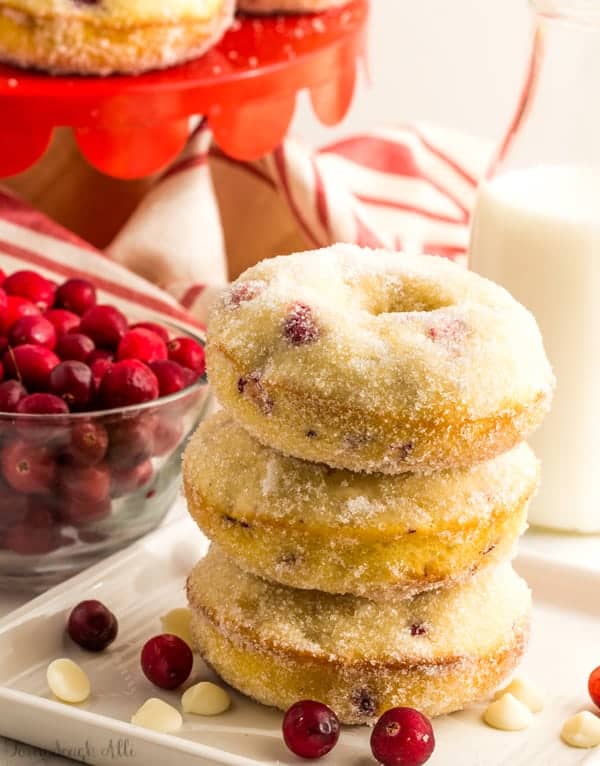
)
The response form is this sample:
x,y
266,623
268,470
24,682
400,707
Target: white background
x,y
458,63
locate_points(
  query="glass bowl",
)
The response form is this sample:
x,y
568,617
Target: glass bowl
x,y
75,488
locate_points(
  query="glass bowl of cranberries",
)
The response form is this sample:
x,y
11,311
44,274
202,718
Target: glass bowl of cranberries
x,y
95,408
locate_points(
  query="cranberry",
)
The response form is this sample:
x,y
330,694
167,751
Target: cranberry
x,y
88,445
124,482
35,535
131,442
42,404
105,325
3,301
11,393
76,295
167,661
2,276
28,284
31,365
166,436
594,686
402,737
98,368
172,377
126,383
92,626
64,321
75,346
100,354
188,353
300,327
142,344
13,506
310,729
33,330
158,329
28,468
80,513
85,484
16,308
3,343
243,292
449,332
73,382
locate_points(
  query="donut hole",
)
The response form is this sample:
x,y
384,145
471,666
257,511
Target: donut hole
x,y
382,294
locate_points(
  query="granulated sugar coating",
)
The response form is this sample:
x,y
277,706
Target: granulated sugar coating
x,y
104,36
309,526
436,652
377,362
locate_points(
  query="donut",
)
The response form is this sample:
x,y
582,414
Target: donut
x,y
382,537
104,36
377,362
288,6
437,652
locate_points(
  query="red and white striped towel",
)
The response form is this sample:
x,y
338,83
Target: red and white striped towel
x,y
406,189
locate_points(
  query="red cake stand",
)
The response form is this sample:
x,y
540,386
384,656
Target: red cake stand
x,y
246,87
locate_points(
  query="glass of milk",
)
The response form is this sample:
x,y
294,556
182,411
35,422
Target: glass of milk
x,y
536,230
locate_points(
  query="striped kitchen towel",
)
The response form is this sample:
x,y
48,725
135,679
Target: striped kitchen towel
x,y
406,189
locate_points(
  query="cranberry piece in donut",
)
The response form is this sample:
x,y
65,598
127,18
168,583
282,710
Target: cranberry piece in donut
x,y
243,292
252,387
449,332
300,327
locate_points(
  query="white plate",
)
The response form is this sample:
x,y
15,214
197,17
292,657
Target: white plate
x,y
148,579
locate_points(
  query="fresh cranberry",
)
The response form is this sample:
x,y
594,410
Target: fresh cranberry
x,y
76,295
167,661
166,436
594,686
98,368
34,330
92,626
73,382
310,729
28,468
300,326
85,484
13,506
75,346
171,376
188,353
3,343
3,302
80,513
131,442
88,444
11,393
2,276
64,321
126,383
142,344
124,482
154,327
35,535
402,737
100,353
105,325
31,365
16,308
42,404
28,284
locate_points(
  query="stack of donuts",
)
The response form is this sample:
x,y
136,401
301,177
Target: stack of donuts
x,y
365,483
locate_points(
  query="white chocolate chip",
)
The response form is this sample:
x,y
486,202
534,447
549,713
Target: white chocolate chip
x,y
581,730
205,699
508,714
67,681
525,691
158,716
179,623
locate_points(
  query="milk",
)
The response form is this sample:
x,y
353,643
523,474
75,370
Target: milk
x,y
537,233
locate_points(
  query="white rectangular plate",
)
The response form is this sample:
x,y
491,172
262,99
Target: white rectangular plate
x,y
148,579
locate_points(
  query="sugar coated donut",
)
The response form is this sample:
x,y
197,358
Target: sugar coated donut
x,y
308,526
288,6
104,36
437,652
377,361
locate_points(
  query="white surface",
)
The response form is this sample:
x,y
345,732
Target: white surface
x,y
458,64
142,583
536,232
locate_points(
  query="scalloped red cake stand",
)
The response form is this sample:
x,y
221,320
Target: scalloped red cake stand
x,y
246,87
